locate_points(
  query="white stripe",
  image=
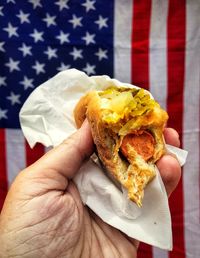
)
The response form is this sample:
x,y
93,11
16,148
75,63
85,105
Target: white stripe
x,y
159,253
47,149
191,130
158,51
158,66
122,40
15,153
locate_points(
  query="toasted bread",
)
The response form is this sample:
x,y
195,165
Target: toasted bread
x,y
127,128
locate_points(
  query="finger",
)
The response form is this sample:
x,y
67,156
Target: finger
x,y
170,171
172,137
68,157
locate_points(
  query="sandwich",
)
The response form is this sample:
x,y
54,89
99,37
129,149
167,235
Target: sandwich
x,y
127,128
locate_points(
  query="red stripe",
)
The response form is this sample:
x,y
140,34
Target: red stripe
x,y
140,43
3,174
140,65
34,154
176,37
144,250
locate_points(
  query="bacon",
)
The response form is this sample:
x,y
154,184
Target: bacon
x,y
142,142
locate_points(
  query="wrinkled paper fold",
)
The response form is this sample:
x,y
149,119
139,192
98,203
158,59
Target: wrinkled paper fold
x,y
47,117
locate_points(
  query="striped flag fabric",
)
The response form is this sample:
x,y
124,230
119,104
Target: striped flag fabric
x,y
154,44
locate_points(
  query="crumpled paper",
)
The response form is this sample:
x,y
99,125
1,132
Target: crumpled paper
x,y
47,117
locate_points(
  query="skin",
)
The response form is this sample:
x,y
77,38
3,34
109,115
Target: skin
x,y
43,215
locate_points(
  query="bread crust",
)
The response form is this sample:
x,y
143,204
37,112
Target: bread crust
x,y
134,174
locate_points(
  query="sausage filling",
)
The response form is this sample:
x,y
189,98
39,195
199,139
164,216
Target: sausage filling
x,y
142,142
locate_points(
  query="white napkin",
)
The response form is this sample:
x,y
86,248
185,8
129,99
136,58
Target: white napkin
x,y
47,117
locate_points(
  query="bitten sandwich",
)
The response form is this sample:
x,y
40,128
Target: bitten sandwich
x,y
127,128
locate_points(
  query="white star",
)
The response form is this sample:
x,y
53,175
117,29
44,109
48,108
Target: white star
x,y
63,37
12,31
35,3
37,36
26,50
62,4
89,69
50,52
14,98
28,83
13,65
76,21
3,113
102,22
50,20
76,53
89,38
101,54
38,67
89,5
1,8
63,67
2,81
11,1
23,17
1,46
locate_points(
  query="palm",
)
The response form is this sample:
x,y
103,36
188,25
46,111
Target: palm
x,y
62,226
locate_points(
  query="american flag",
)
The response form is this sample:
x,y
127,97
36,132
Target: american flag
x,y
154,44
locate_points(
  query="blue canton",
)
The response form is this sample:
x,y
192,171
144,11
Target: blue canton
x,y
40,38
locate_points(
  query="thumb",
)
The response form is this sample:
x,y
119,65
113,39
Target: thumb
x,y
67,158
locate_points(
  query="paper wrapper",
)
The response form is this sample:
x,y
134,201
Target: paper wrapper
x,y
47,117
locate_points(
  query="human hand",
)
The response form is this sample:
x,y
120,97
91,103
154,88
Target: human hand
x,y
43,215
